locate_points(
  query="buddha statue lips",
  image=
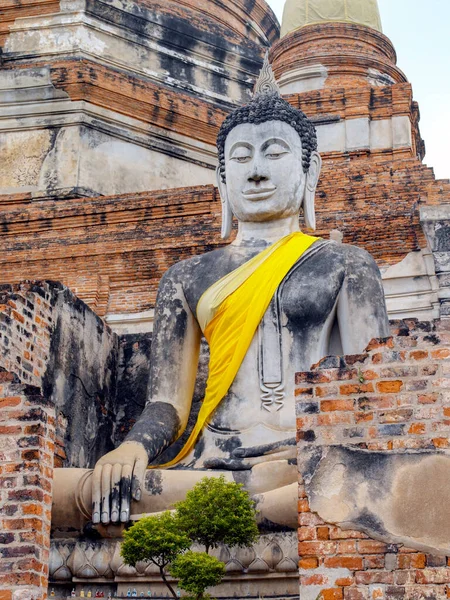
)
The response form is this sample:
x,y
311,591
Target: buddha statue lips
x,y
270,304
256,194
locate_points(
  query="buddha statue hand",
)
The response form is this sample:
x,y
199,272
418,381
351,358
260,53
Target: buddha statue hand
x,y
118,478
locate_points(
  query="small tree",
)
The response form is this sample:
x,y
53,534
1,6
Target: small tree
x,y
216,511
158,539
197,571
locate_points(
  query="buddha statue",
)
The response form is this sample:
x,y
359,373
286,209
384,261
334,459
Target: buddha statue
x,y
270,304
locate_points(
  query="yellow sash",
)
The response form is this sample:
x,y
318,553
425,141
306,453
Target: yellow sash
x,y
229,313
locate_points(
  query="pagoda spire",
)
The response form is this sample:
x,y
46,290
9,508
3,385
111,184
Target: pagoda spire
x,y
298,13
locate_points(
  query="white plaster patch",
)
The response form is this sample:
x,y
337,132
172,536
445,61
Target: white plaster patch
x,y
331,137
357,134
401,132
362,134
303,79
131,323
411,287
312,592
381,134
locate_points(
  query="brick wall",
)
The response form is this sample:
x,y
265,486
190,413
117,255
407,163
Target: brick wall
x,y
58,369
53,341
393,398
350,53
27,440
26,322
27,431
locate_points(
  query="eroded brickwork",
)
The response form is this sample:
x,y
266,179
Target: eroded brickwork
x,y
27,432
10,10
393,398
26,323
112,251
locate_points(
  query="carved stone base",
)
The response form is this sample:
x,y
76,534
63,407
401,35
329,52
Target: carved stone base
x,y
268,569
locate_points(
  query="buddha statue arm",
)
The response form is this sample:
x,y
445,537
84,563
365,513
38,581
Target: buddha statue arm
x,y
118,476
361,309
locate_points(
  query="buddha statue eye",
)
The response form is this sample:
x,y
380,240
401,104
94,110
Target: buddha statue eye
x,y
241,155
275,151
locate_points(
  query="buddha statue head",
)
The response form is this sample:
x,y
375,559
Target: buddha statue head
x,y
268,161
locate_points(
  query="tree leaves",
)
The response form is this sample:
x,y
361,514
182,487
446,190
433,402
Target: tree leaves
x,y
158,539
216,511
197,571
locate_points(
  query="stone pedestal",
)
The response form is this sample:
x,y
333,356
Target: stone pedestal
x,y
268,569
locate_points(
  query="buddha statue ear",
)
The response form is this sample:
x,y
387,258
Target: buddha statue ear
x,y
312,178
227,215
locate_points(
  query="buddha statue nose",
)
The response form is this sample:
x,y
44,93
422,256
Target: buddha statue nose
x,y
257,174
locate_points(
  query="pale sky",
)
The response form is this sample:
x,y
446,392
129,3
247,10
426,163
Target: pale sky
x,y
420,33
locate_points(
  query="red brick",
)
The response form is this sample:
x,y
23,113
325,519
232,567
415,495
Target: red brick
x,y
314,579
425,576
346,547
441,442
331,594
335,418
374,344
306,534
323,533
428,398
363,417
336,405
316,548
353,563
371,547
370,375
370,577
11,401
10,429
441,354
354,593
389,387
32,509
344,581
376,561
303,505
418,355
417,429
362,388
308,563
326,391
411,561
303,391
401,415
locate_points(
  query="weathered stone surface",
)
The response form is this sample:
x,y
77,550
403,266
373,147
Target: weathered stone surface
x,y
140,84
52,340
395,498
132,382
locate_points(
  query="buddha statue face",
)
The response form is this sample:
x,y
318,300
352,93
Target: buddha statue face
x,y
264,171
268,164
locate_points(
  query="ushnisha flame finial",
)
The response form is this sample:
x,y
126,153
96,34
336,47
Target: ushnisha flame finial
x,y
266,83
